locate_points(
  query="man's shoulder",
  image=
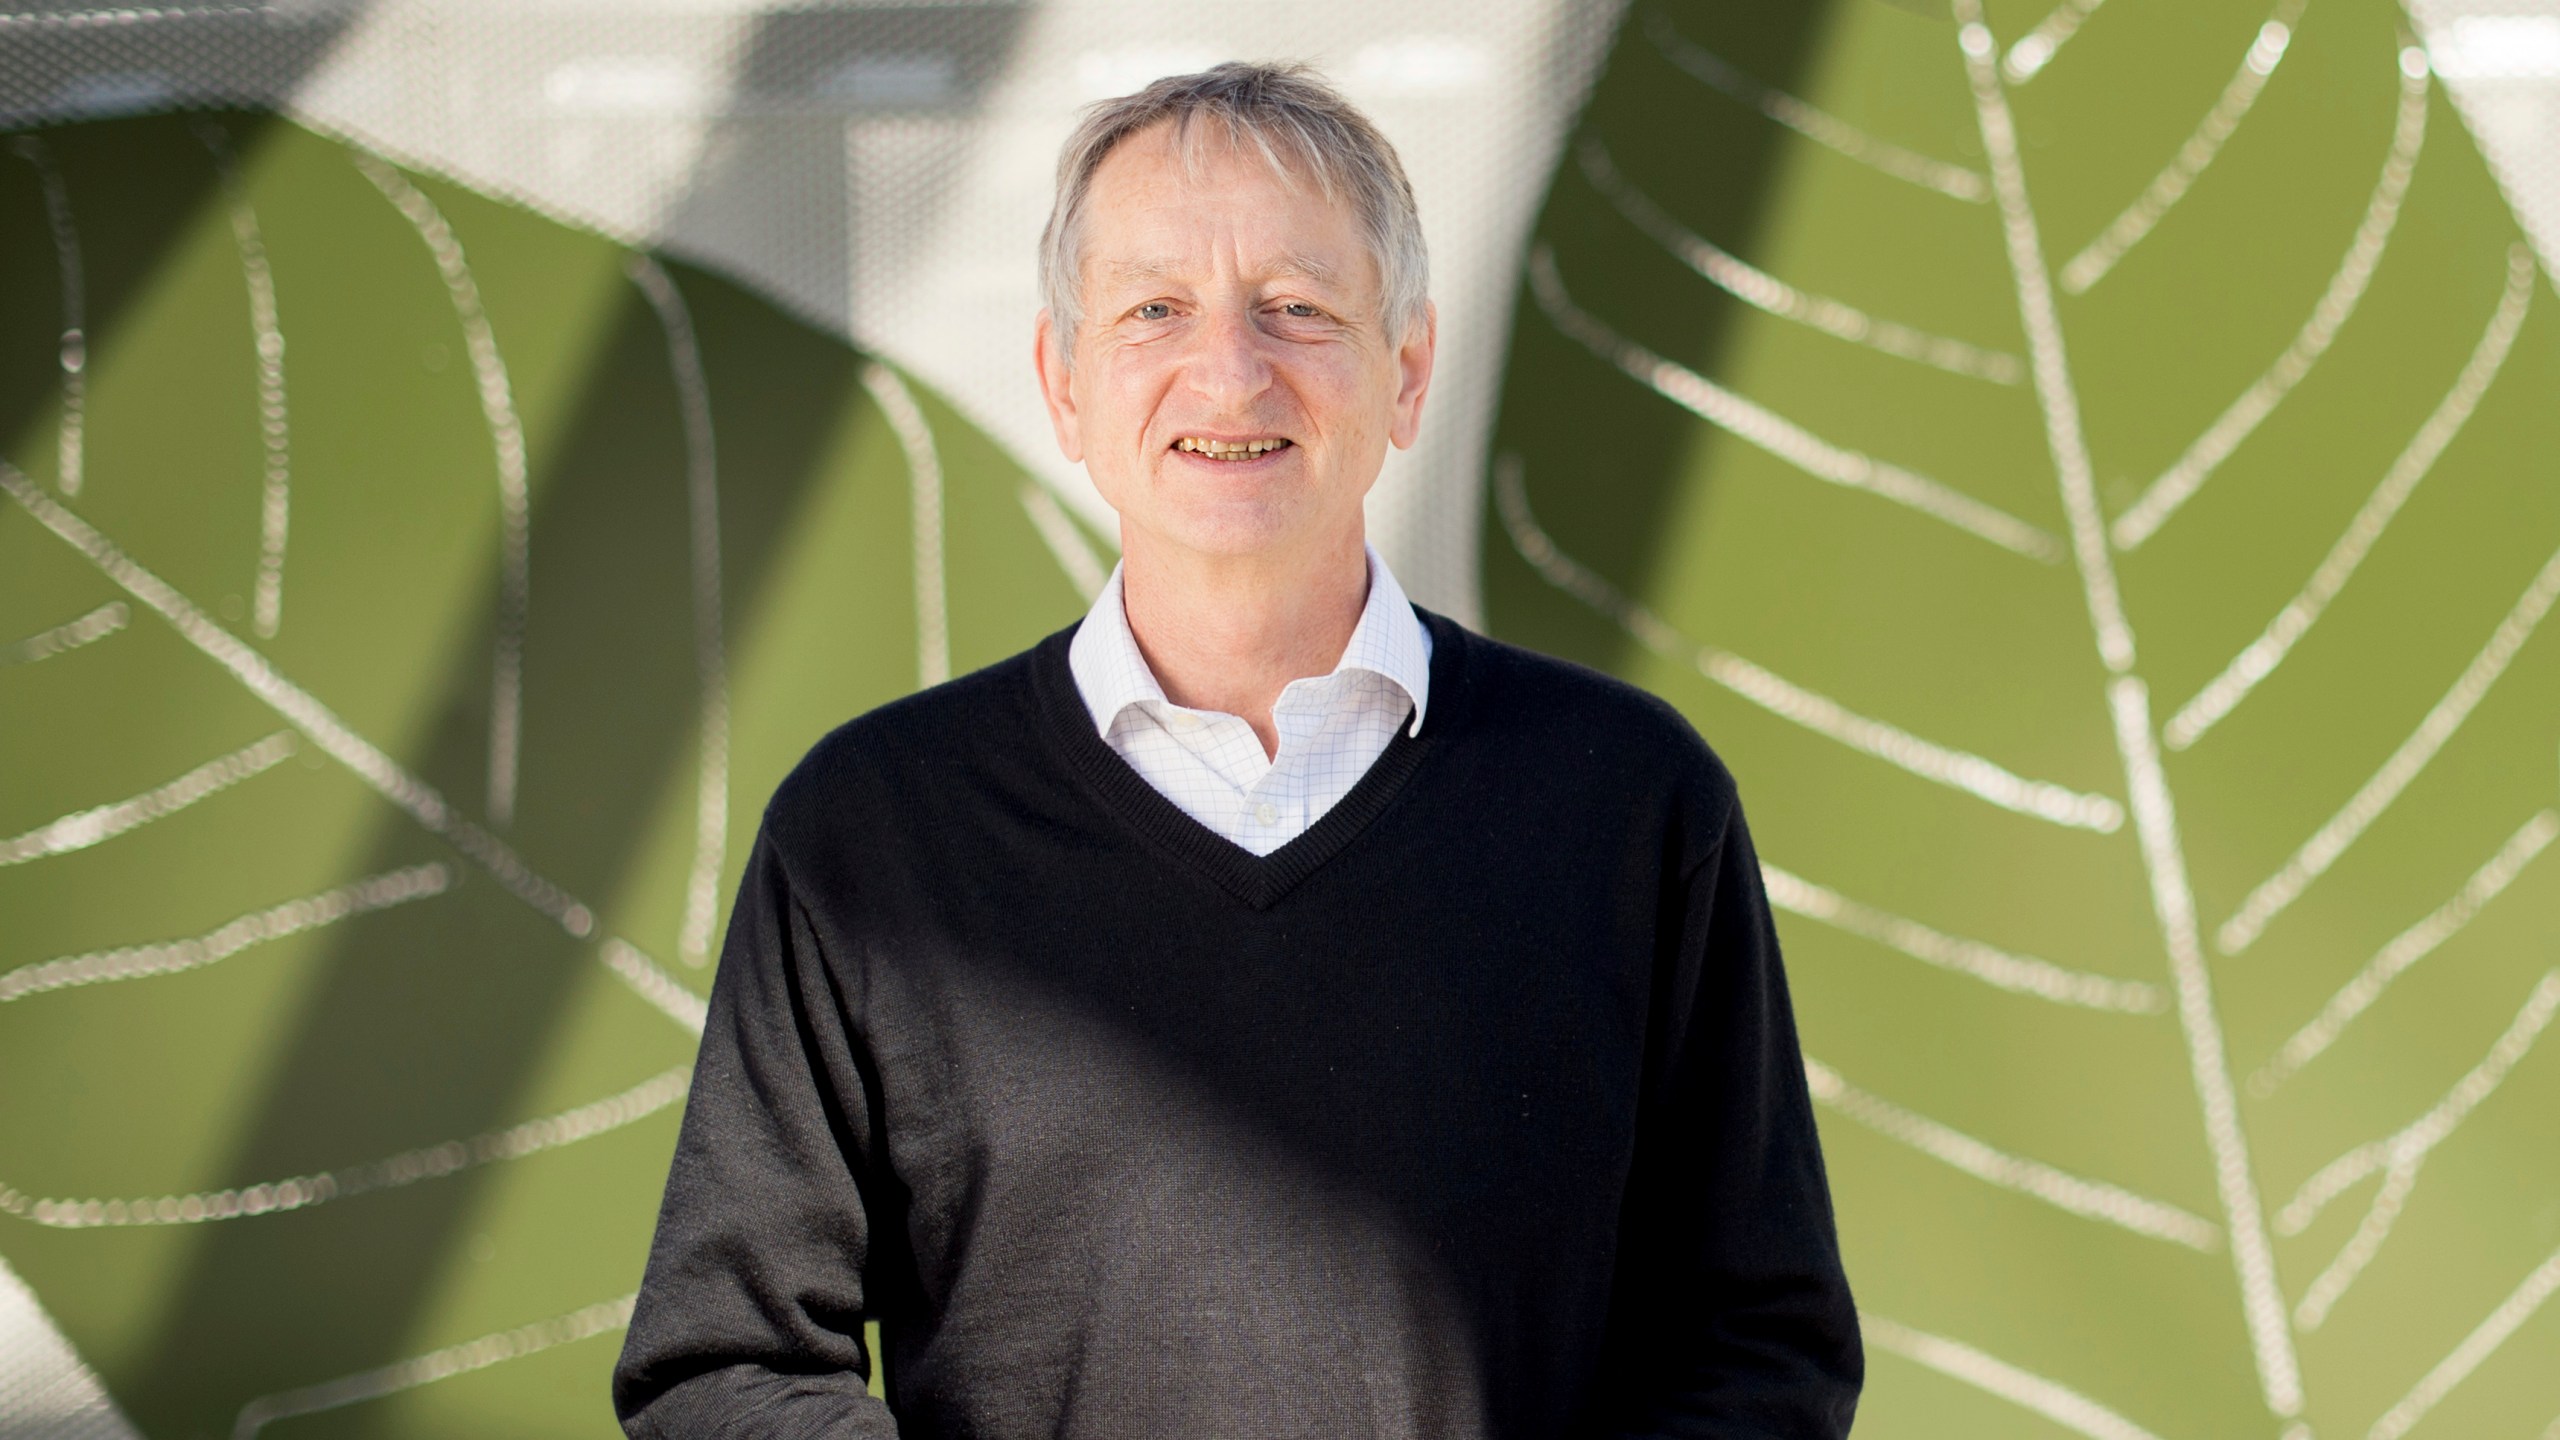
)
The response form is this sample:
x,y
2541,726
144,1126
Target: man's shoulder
x,y
1559,708
1524,687
909,741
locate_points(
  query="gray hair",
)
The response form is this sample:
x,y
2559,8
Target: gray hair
x,y
1301,126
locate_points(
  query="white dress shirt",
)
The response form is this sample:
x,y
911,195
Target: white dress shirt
x,y
1332,727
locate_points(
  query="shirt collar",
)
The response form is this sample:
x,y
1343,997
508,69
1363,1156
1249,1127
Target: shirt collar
x,y
1111,673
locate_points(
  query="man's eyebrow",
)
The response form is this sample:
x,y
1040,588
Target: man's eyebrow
x,y
1306,267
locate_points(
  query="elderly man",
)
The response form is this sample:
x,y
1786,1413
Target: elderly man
x,y
1266,1009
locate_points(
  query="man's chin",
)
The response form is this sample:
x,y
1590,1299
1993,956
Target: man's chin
x,y
1238,533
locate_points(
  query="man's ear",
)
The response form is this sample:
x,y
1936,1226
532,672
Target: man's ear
x,y
1413,375
1048,356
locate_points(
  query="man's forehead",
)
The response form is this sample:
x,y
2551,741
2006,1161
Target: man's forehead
x,y
1293,264
1166,207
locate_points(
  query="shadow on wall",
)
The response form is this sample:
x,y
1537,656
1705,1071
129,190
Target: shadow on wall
x,y
610,701
411,1024
89,216
141,62
843,131
438,1029
1579,426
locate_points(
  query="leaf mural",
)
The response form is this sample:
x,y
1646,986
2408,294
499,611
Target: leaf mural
x,y
405,603
2089,470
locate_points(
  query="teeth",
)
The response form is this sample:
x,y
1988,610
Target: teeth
x,y
1226,449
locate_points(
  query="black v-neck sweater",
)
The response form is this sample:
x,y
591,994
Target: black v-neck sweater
x,y
1476,1110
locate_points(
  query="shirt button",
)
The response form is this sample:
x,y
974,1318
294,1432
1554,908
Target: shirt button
x,y
1266,813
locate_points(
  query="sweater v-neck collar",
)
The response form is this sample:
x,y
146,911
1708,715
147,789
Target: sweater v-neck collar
x,y
1258,881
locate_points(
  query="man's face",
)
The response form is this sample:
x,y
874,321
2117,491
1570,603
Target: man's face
x,y
1235,384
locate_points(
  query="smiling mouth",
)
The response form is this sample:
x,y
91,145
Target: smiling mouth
x,y
1228,449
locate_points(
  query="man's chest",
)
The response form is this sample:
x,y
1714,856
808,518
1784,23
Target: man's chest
x,y
1454,1074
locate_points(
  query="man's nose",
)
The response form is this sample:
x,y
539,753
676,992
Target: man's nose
x,y
1228,364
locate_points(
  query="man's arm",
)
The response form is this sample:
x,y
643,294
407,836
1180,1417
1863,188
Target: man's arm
x,y
750,1318
1731,1317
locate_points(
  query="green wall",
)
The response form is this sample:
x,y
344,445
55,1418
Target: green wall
x,y
455,1014
1723,547
1846,550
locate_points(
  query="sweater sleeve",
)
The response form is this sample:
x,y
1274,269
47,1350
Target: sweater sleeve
x,y
1731,1315
749,1320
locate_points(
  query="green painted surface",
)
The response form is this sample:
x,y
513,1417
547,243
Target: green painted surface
x,y
467,1012
1903,618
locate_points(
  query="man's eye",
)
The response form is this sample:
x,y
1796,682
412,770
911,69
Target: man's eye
x,y
1155,310
1301,310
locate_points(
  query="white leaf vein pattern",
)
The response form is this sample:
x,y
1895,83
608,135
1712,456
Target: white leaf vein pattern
x,y
2176,485
602,1318
72,352
2222,694
2035,49
1067,544
2089,1199
2343,829
170,957
1956,1360
2019,974
2400,1156
1784,698
301,1192
1819,126
83,828
506,435
924,478
2265,53
1763,291
275,436
2406,949
88,629
710,657
2155,815
387,777
653,984
2477,1346
1781,437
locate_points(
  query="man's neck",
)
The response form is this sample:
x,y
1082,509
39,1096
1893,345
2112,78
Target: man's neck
x,y
1225,635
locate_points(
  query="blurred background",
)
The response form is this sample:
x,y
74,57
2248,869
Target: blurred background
x,y
2089,468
